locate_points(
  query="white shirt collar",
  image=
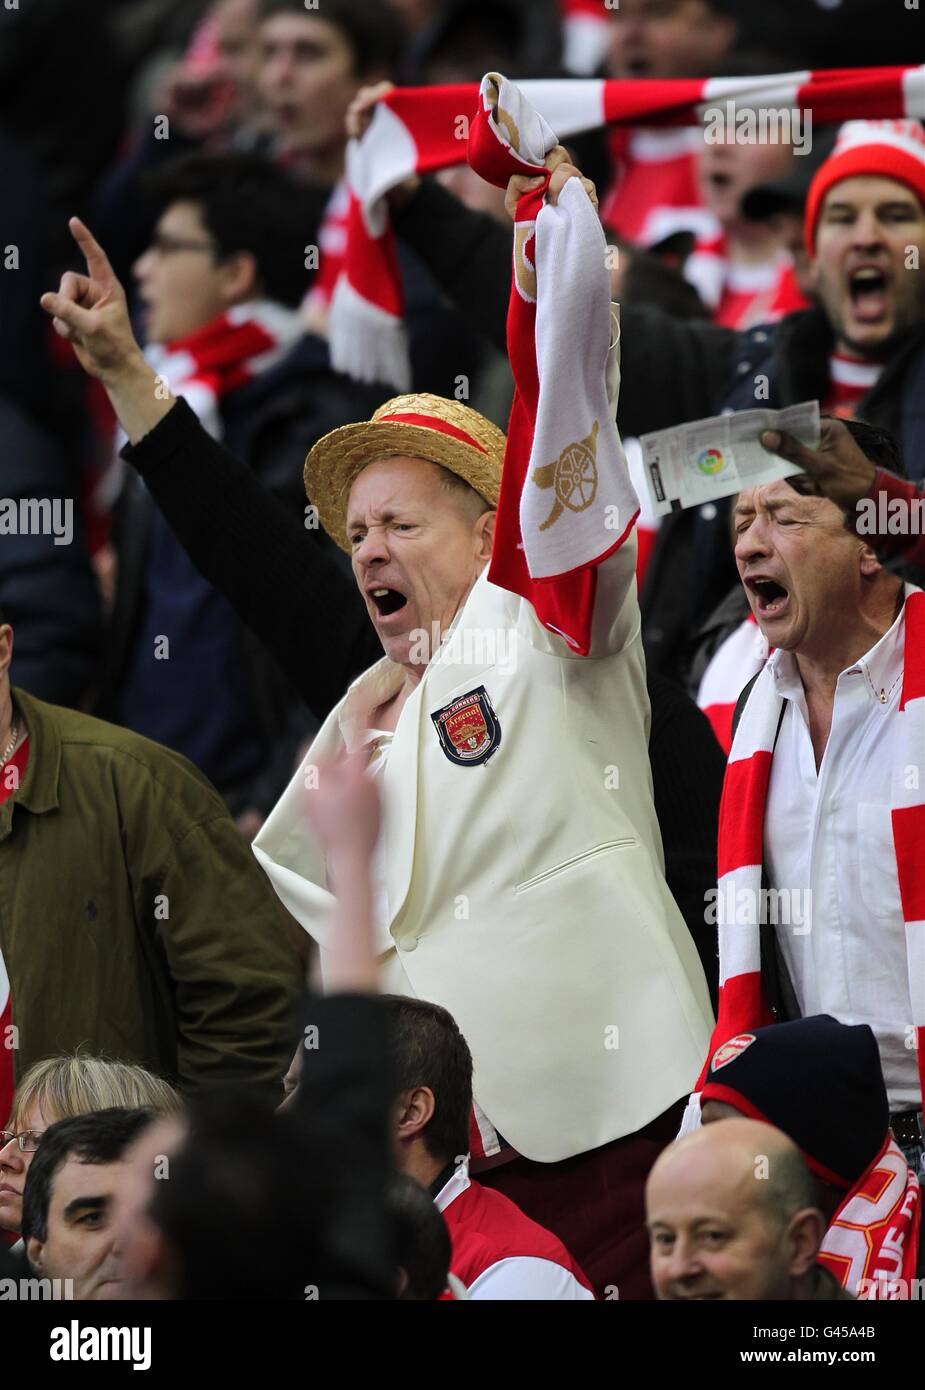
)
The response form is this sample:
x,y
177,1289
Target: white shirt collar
x,y
454,1186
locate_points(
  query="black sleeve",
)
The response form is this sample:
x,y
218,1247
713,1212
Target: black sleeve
x,y
286,587
344,1100
687,776
672,369
48,590
468,253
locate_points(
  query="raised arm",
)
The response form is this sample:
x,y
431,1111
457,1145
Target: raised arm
x,y
282,579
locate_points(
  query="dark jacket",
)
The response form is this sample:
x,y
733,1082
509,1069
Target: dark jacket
x,y
47,587
218,509
270,424
133,917
673,371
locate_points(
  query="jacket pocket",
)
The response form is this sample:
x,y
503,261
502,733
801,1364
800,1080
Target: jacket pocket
x,y
582,858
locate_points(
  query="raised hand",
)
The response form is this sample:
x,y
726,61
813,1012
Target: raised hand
x,y
342,806
359,118
839,467
90,310
360,111
559,162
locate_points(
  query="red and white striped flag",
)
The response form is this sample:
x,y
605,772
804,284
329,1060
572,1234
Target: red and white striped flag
x,y
566,497
421,130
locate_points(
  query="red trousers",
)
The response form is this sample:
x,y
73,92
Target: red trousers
x,y
594,1203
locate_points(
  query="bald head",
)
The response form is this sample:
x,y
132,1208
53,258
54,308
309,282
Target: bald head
x,y
731,1212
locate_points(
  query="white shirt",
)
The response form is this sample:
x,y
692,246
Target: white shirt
x,y
829,835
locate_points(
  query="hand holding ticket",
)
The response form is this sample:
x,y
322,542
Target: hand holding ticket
x,y
707,459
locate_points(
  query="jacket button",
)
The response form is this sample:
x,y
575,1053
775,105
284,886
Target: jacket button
x,y
408,944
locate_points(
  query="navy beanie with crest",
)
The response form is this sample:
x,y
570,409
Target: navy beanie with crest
x,y
816,1079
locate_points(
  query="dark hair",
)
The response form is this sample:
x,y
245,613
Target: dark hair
x,y
101,1137
249,204
245,1211
429,1050
880,446
373,28
422,1241
257,1207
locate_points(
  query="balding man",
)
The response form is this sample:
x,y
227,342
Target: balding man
x,y
521,882
732,1214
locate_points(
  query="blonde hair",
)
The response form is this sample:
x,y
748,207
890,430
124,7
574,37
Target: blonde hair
x,y
76,1084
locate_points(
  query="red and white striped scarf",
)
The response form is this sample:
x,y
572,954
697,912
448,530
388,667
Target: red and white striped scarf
x,y
742,1003
741,296
736,660
872,1242
563,452
421,130
850,380
225,354
587,29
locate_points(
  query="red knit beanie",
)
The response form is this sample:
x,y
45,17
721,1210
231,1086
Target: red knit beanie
x,y
886,149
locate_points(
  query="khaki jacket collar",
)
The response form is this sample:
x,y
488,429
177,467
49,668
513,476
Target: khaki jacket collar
x,y
39,790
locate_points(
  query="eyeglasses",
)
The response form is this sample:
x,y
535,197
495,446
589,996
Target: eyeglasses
x,y
28,1140
165,245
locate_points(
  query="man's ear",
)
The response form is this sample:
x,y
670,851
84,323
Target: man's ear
x,y
415,1111
239,278
804,1236
35,1254
485,534
6,648
868,561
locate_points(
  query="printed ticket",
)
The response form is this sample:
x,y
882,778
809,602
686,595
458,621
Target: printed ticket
x,y
706,459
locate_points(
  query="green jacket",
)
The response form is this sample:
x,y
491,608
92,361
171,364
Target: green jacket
x,y
134,918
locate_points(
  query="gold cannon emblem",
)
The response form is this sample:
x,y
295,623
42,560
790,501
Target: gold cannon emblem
x,y
574,477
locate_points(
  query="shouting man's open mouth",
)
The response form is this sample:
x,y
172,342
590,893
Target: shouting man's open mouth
x,y
387,601
771,597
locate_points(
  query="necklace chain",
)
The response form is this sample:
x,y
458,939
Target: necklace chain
x,y
8,750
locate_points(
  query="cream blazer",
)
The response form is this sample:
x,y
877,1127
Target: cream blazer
x,y
526,890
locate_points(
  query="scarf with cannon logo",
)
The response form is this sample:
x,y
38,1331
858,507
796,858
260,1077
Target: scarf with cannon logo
x,y
566,497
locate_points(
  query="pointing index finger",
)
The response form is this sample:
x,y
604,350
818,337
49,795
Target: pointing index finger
x,y
96,258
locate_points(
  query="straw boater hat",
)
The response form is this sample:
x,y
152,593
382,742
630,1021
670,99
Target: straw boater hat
x,y
418,426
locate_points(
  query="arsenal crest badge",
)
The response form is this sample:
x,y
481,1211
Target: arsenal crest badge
x,y
730,1050
469,730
